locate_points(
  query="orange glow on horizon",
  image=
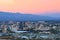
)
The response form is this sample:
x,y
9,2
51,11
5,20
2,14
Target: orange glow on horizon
x,y
29,6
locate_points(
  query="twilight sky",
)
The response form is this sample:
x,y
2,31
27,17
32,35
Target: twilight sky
x,y
30,6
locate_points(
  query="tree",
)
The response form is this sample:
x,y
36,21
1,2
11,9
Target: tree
x,y
54,31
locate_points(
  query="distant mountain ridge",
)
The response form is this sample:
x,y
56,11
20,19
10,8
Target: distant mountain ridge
x,y
8,16
51,14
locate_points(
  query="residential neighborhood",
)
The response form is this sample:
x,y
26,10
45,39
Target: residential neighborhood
x,y
27,29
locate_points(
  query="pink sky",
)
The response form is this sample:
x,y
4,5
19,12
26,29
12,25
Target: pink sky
x,y
30,6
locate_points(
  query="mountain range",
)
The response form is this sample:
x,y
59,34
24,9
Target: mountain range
x,y
9,16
